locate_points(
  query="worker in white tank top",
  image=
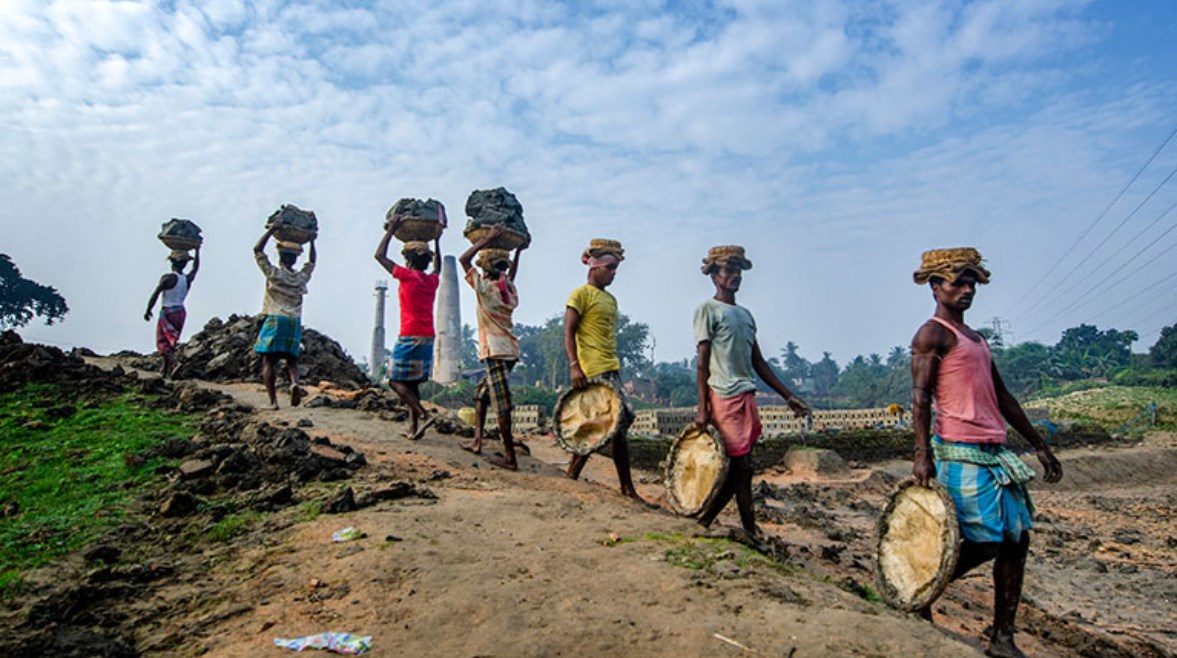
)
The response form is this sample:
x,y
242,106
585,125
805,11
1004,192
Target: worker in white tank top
x,y
173,287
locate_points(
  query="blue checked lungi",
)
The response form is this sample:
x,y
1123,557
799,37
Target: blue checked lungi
x,y
988,488
280,334
412,359
494,387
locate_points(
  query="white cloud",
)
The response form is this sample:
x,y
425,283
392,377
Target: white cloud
x,y
835,139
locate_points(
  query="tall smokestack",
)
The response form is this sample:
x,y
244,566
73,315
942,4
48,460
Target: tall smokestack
x,y
447,356
376,363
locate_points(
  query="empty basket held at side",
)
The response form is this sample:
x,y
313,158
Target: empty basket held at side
x,y
918,545
696,468
588,418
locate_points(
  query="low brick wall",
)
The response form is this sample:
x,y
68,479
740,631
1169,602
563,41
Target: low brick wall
x,y
647,453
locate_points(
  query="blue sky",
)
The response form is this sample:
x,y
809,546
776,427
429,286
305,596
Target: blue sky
x,y
835,140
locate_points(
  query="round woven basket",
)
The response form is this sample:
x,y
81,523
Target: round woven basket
x,y
588,418
696,468
287,233
416,228
508,240
918,544
179,243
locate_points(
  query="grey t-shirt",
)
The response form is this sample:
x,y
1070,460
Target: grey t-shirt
x,y
732,332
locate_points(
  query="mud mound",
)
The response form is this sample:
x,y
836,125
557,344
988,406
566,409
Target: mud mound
x,y
23,363
223,352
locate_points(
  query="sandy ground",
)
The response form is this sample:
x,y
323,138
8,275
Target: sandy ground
x,y
516,564
533,564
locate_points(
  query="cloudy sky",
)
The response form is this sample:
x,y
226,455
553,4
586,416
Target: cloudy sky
x,y
835,139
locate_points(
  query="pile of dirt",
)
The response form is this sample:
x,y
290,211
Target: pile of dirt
x,y
223,352
23,363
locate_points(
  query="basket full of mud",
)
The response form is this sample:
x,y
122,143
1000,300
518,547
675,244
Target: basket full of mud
x,y
918,545
180,234
587,418
294,224
497,207
695,470
419,220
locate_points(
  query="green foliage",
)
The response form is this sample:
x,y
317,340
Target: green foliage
x,y
21,299
232,526
1085,351
1164,351
66,472
542,357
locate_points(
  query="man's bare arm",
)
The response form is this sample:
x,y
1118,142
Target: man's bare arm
x,y
571,325
702,374
760,365
1013,413
927,348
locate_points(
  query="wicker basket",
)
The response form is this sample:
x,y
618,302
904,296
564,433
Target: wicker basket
x,y
288,233
696,468
179,243
416,228
508,240
917,545
587,419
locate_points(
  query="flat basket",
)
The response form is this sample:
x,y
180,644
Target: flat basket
x,y
918,545
696,468
588,418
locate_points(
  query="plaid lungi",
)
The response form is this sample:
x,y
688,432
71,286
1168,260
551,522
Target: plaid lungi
x,y
168,328
412,359
992,503
494,387
280,334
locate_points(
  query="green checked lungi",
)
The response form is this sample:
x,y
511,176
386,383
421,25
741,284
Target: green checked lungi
x,y
987,484
280,334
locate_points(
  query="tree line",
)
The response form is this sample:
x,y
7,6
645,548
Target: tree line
x,y
1082,353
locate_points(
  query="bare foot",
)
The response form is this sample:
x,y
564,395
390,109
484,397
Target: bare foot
x,y
500,461
295,395
426,423
1002,646
633,495
475,448
273,406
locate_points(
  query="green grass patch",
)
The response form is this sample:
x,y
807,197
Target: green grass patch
x,y
1112,406
232,526
64,469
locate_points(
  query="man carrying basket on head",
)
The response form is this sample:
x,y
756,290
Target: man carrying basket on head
x,y
951,367
281,332
412,355
174,287
729,360
590,342
498,348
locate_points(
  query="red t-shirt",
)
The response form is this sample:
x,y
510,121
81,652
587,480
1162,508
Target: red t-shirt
x,y
416,292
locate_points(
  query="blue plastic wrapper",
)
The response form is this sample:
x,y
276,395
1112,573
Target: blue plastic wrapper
x,y
347,534
344,643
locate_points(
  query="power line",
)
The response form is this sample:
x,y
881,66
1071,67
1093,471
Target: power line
x,y
1109,235
1108,283
1109,309
1071,248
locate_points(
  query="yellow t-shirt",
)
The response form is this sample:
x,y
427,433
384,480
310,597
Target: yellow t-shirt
x,y
596,337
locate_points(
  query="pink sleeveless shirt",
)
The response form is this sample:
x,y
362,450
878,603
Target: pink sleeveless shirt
x,y
966,401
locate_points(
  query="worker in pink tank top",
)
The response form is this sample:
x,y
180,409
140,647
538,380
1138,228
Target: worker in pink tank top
x,y
951,368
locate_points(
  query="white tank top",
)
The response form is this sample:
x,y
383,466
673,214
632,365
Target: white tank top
x,y
174,296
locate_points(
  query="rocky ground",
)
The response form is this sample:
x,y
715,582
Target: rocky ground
x,y
462,559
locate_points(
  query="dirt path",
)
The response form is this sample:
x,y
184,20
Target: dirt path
x,y
533,564
520,564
